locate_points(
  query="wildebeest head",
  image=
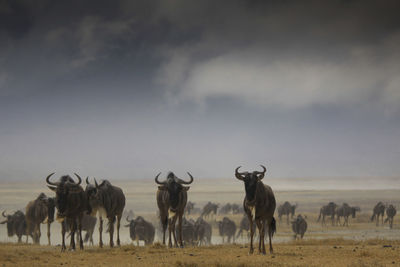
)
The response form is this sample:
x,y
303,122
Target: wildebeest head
x,y
250,180
92,191
174,186
65,186
12,221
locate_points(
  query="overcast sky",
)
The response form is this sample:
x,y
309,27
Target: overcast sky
x,y
126,89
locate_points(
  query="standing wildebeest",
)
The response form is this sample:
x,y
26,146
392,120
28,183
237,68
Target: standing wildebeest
x,y
259,204
189,208
379,210
327,210
286,209
16,224
209,208
299,226
88,224
235,208
71,203
202,232
140,229
345,211
226,209
390,212
109,202
245,226
188,232
40,210
171,201
227,228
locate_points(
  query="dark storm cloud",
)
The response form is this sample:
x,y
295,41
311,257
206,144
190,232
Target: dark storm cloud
x,y
119,79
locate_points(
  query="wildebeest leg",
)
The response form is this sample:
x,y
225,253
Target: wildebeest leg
x,y
118,225
72,238
101,232
170,233
180,230
80,232
261,231
63,247
287,219
271,250
48,233
251,234
164,223
174,232
111,230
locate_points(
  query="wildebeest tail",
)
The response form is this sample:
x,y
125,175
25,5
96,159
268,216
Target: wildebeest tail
x,y
273,226
373,217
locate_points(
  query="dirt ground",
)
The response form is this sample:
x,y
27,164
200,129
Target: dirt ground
x,y
329,252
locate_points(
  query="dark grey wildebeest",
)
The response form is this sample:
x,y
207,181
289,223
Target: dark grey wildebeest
x,y
327,210
140,229
109,202
227,228
88,225
202,232
16,224
345,211
259,204
299,226
244,227
286,209
379,210
209,209
40,210
171,201
390,213
71,203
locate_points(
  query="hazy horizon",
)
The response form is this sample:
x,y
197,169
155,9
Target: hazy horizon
x,y
126,89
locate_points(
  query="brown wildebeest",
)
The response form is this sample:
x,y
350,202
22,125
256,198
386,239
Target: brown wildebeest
x,y
109,201
71,203
259,204
88,224
390,212
140,229
379,210
286,209
40,210
327,210
345,211
16,224
299,226
202,232
171,201
227,228
209,209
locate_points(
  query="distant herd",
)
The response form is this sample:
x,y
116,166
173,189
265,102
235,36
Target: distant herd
x,y
78,210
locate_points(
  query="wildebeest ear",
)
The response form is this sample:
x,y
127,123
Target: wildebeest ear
x,y
162,187
52,188
185,188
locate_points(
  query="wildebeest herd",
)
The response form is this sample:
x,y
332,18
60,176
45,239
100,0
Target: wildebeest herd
x,y
79,209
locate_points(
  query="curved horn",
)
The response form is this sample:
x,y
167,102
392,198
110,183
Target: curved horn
x,y
79,179
127,219
238,174
262,173
48,179
87,180
180,181
158,182
95,182
4,214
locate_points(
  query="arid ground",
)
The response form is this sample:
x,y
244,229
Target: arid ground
x,y
362,243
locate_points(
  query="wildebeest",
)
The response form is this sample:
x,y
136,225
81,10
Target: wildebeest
x,y
259,204
345,211
71,203
40,210
16,224
245,227
202,232
379,210
88,224
390,213
188,232
236,209
225,209
171,202
299,226
140,229
189,208
227,228
108,201
327,210
286,209
208,209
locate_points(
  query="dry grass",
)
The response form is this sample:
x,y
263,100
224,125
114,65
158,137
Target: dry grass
x,y
330,252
